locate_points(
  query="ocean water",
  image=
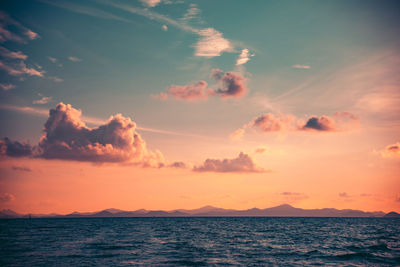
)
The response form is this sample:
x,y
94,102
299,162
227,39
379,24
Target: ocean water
x,y
200,241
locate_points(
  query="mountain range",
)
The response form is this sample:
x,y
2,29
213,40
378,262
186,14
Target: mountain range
x,y
284,210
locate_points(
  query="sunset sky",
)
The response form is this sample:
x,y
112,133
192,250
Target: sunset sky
x,y
167,104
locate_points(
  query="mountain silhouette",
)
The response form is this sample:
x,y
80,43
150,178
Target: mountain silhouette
x,y
284,210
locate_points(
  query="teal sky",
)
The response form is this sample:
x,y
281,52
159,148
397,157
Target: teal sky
x,y
126,57
291,98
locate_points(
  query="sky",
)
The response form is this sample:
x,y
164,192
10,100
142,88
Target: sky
x,y
168,104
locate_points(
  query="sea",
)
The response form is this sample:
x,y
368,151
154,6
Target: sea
x,y
194,241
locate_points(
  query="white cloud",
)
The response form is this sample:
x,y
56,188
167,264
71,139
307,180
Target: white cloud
x,y
243,57
52,59
43,100
164,27
298,66
150,3
74,59
211,44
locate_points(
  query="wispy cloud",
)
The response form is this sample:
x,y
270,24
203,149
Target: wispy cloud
x,y
55,79
24,34
299,66
42,100
74,59
7,86
193,92
210,44
192,14
52,59
6,197
16,69
4,52
21,168
85,10
150,3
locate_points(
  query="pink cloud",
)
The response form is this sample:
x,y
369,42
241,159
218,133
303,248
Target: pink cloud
x,y
4,52
6,197
269,122
67,137
272,123
6,34
193,92
391,151
242,164
229,84
7,86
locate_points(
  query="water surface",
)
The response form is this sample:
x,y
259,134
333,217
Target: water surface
x,y
200,241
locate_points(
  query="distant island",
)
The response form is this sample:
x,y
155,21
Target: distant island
x,y
284,210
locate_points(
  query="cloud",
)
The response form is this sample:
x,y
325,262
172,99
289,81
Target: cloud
x,y
230,84
344,194
260,150
322,123
74,59
93,12
14,148
43,100
55,79
20,168
52,59
272,123
31,35
242,164
244,57
391,151
211,44
67,137
340,121
298,66
193,92
269,122
179,165
4,52
6,197
8,25
150,3
17,69
293,197
7,86
192,14
165,27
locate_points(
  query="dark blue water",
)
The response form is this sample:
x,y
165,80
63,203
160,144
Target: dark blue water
x,y
200,241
